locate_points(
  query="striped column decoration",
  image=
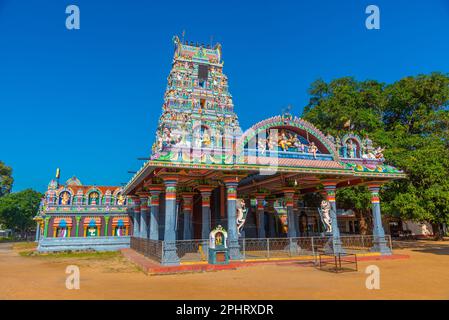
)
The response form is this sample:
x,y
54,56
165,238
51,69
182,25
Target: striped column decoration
x,y
155,191
260,210
170,256
331,187
289,202
205,210
136,216
143,231
231,183
187,212
379,241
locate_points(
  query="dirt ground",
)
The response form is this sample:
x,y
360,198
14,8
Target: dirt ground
x,y
424,276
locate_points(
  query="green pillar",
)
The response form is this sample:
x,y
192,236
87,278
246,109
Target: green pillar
x,y
106,222
47,219
77,219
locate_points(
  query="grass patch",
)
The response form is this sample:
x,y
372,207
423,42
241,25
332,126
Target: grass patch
x,y
85,255
24,245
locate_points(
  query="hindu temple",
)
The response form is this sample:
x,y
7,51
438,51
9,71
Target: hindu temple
x,y
204,171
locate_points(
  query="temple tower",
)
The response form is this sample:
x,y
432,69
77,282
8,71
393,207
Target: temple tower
x,y
198,112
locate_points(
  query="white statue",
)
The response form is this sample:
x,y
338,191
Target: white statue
x,y
241,214
325,215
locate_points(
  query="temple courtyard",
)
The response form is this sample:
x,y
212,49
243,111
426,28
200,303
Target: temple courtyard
x,y
423,275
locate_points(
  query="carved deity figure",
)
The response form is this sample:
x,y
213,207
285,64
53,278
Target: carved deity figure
x,y
351,149
313,149
338,144
378,153
65,199
219,239
367,145
324,211
93,198
241,211
261,145
283,141
120,200
206,140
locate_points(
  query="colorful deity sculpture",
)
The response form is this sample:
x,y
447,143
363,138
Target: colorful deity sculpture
x,y
324,212
241,214
313,149
65,200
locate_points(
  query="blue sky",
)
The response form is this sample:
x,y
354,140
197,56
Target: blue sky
x,y
88,101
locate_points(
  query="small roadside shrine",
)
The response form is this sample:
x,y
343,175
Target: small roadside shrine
x,y
218,250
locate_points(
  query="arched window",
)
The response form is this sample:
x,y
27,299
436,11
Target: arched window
x,y
120,226
120,200
91,229
62,227
94,198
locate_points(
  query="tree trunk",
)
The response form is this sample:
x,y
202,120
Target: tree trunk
x,y
438,231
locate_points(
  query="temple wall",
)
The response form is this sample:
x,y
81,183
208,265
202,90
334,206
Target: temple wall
x,y
81,243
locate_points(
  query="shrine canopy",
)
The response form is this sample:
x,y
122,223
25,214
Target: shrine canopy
x,y
283,143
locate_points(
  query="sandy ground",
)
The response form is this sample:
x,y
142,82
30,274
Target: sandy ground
x,y
424,276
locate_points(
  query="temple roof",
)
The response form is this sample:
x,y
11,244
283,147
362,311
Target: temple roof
x,y
197,52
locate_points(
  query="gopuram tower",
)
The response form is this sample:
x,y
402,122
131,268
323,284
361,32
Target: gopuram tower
x,y
198,123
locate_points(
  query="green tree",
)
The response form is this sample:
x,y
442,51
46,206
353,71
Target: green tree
x,y
18,209
6,179
411,119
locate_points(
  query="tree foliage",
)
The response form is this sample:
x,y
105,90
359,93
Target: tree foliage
x,y
18,209
6,179
411,119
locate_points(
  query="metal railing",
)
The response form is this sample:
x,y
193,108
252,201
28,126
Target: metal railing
x,y
192,250
262,248
149,248
338,262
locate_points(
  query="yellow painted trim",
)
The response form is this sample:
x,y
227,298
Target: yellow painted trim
x,y
369,254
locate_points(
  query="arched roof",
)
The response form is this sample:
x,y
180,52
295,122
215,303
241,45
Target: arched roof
x,y
73,181
292,123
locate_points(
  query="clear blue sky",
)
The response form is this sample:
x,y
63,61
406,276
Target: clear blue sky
x,y
88,100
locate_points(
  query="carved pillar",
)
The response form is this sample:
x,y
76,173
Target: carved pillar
x,y
38,230
136,217
205,209
106,224
170,256
289,202
296,213
143,226
271,217
231,190
331,187
187,212
77,227
379,241
46,223
260,215
155,191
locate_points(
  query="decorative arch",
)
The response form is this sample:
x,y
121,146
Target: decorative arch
x,y
295,124
65,196
93,199
356,142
